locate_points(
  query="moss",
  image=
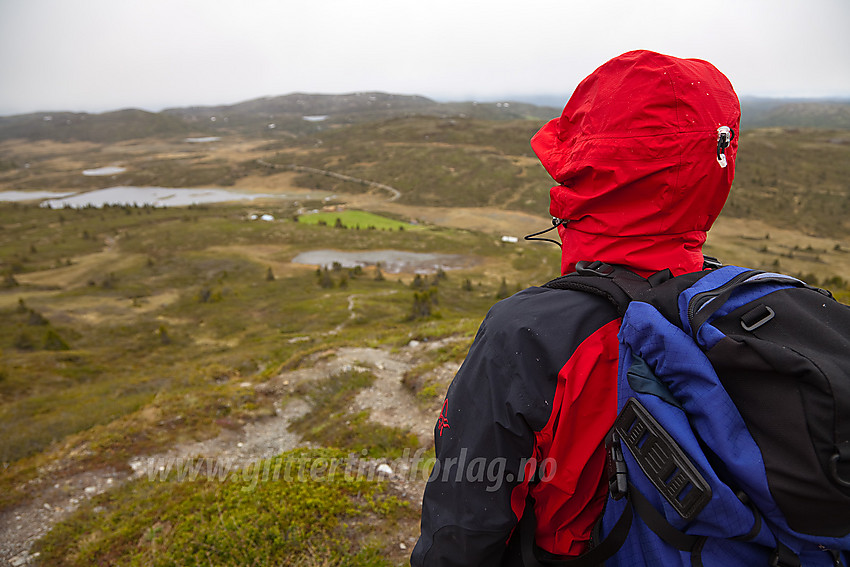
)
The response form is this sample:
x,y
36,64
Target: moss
x,y
265,514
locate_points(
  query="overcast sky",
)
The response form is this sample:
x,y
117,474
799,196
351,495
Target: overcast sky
x,y
98,55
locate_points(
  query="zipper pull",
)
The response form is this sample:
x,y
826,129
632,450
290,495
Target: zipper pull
x,y
724,139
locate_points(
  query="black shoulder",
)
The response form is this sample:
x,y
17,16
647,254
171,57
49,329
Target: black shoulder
x,y
562,318
526,340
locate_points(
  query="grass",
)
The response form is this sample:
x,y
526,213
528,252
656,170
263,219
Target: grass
x,y
250,518
423,380
165,312
355,219
794,178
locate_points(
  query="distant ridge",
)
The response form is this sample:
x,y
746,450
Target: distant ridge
x,y
795,113
106,127
285,115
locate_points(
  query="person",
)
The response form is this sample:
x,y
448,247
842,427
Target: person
x,y
644,157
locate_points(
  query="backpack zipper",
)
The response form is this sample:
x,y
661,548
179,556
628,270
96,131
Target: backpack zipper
x,y
699,301
702,299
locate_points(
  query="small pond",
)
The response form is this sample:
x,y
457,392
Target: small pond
x,y
152,196
12,196
100,171
392,261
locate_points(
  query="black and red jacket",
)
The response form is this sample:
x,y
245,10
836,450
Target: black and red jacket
x,y
496,419
643,170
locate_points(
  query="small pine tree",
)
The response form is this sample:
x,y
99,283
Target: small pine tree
x,y
24,342
36,319
467,285
9,280
269,275
326,281
52,341
162,334
379,275
503,290
421,306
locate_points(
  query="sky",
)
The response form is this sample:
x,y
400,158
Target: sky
x,y
101,55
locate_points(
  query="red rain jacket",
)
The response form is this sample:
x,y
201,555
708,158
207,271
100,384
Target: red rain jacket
x,y
636,156
634,153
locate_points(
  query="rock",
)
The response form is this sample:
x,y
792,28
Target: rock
x,y
384,468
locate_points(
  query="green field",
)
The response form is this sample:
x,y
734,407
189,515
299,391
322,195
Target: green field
x,y
355,219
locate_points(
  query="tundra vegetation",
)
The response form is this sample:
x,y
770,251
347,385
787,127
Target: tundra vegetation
x,y
127,330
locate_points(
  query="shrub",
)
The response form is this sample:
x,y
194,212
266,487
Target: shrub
x,y
52,341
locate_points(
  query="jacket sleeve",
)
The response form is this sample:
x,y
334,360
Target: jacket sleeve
x,y
501,396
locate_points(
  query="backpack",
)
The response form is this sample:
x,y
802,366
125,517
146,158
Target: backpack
x,y
732,442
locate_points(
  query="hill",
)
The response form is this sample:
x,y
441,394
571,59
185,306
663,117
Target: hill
x,y
301,114
103,128
271,117
795,113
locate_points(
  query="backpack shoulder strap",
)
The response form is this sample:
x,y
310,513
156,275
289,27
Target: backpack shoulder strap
x,y
617,284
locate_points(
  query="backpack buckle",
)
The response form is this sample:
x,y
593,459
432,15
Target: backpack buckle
x,y
618,482
595,268
783,557
842,454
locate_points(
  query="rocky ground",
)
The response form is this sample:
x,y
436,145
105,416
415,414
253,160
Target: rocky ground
x,y
389,402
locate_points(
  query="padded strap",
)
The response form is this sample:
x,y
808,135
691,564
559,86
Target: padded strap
x,y
615,283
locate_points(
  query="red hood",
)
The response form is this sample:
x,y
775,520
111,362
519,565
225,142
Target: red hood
x,y
635,156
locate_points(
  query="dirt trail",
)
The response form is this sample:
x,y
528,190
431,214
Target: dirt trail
x,y
388,401
395,194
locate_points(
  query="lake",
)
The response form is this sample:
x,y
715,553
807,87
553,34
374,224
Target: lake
x,y
14,196
150,196
392,261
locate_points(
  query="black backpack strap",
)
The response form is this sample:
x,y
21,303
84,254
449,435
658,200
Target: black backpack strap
x,y
617,284
595,557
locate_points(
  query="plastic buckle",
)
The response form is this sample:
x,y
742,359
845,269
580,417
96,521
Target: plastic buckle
x,y
662,460
757,317
595,268
783,557
836,474
618,482
711,263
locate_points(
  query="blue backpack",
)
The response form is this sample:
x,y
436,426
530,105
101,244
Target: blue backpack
x,y
732,443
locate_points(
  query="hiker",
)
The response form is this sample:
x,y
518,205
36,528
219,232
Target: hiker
x,y
644,156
